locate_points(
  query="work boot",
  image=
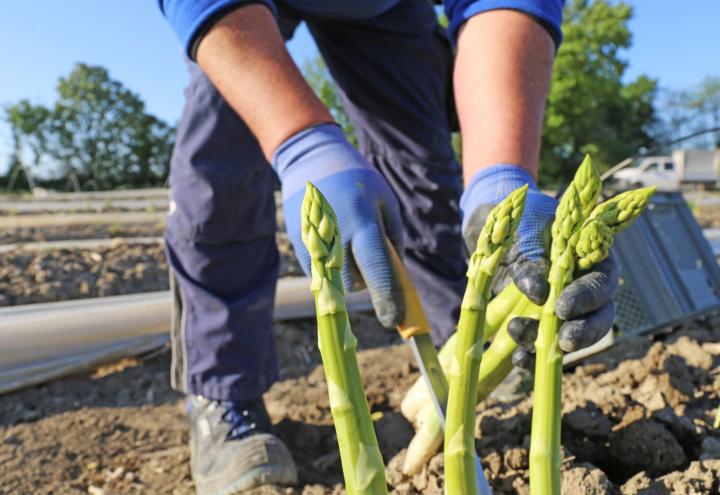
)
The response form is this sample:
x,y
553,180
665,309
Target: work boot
x,y
232,449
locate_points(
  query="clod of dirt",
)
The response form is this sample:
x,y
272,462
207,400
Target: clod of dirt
x,y
393,433
710,449
586,479
692,352
700,478
646,445
637,484
516,459
588,421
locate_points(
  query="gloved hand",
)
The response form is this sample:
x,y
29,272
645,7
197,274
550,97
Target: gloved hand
x,y
586,304
365,206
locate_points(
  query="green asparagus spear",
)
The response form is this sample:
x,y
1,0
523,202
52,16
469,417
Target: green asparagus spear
x,y
585,246
588,185
460,476
576,204
545,434
497,359
419,408
494,367
362,463
606,220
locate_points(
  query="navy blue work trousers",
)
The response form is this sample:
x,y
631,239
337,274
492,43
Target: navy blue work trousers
x,y
394,76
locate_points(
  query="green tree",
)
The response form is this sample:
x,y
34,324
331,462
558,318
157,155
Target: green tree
x,y
28,132
693,110
97,129
590,109
101,130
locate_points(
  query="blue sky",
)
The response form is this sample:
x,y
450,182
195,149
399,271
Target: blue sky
x,y
676,41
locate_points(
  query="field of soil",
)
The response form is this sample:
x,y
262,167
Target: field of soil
x,y
637,419
36,276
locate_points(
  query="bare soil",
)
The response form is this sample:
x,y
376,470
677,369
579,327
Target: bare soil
x,y
707,215
36,276
636,420
60,274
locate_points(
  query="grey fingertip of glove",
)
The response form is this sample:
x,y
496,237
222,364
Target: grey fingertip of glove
x,y
530,277
583,332
390,311
522,358
474,226
387,298
589,292
523,331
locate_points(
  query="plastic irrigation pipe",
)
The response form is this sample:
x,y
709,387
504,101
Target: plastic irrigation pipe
x,y
43,341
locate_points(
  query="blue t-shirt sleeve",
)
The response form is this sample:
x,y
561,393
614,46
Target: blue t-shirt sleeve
x,y
191,18
547,12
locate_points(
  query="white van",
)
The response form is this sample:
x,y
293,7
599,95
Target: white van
x,y
670,173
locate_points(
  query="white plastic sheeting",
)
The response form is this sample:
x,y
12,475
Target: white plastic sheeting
x,y
122,204
40,194
79,244
50,219
39,342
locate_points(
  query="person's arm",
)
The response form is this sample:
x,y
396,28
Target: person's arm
x,y
245,57
239,47
502,78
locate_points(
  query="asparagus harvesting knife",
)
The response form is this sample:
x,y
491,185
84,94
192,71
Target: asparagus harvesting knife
x,y
416,330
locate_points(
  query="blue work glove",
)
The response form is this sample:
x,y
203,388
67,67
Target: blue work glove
x,y
586,305
366,209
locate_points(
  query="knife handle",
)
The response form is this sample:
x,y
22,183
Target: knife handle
x,y
414,322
